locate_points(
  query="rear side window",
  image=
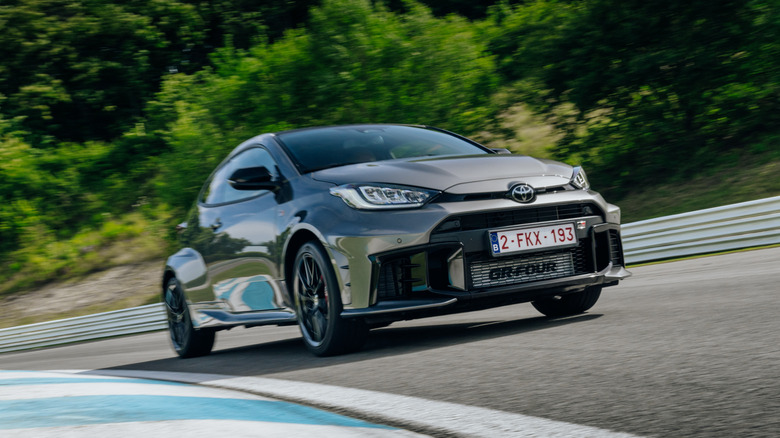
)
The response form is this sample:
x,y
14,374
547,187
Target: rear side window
x,y
217,190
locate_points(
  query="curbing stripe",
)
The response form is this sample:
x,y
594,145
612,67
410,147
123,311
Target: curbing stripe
x,y
411,413
415,413
204,429
80,404
102,389
81,410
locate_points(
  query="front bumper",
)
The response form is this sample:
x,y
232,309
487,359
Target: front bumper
x,y
453,270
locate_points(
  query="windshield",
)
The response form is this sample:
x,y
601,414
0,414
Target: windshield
x,y
322,148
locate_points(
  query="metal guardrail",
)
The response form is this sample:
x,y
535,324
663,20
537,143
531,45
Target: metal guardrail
x,y
84,328
743,225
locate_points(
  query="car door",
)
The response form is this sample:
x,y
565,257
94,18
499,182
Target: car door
x,y
241,255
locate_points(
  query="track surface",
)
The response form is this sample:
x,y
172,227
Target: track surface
x,y
688,348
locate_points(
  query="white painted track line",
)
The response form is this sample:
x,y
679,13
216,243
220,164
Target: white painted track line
x,y
62,404
413,413
32,392
199,429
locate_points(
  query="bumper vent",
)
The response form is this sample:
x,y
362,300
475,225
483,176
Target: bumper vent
x,y
583,257
396,279
616,248
608,248
518,216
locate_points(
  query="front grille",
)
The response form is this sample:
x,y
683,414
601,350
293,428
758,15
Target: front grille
x,y
583,257
503,272
452,197
526,268
518,216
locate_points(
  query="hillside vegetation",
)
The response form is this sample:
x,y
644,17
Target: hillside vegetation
x,y
112,113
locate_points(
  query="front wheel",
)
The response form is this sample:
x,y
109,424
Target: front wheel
x,y
318,304
186,340
569,304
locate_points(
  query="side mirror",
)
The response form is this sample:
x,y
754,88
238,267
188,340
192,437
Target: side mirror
x,y
253,178
502,151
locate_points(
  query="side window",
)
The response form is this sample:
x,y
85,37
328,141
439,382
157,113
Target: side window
x,y
219,190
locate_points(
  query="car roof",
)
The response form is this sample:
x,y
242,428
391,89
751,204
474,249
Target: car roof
x,y
352,126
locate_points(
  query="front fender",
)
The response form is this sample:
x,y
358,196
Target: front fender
x,y
190,269
338,260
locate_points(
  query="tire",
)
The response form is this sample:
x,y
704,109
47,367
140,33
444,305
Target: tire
x,y
318,305
186,340
569,304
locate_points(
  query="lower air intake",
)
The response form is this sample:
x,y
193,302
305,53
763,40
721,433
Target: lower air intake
x,y
521,269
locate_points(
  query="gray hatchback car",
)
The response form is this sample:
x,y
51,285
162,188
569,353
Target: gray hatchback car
x,y
347,228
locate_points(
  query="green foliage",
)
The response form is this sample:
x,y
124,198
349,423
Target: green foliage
x,y
240,23
43,257
56,193
353,63
81,70
466,8
658,87
746,180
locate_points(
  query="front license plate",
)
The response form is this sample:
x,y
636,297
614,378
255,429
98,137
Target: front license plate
x,y
525,239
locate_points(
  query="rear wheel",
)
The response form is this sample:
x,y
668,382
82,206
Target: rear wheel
x,y
187,341
318,304
569,304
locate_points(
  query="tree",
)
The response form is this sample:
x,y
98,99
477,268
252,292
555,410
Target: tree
x,y
353,63
658,87
82,70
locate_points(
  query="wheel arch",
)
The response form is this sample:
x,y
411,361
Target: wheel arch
x,y
167,275
188,267
294,243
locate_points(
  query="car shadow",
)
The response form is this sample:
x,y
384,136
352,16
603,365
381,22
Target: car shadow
x,y
291,355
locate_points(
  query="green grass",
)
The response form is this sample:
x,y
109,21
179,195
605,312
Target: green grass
x,y
750,180
143,298
130,239
522,132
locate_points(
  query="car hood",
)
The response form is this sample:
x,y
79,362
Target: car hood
x,y
459,174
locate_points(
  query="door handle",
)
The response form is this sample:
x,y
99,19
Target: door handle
x,y
215,226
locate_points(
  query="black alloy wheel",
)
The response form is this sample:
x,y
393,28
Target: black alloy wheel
x,y
318,304
186,340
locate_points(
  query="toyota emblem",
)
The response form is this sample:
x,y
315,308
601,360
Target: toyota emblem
x,y
523,193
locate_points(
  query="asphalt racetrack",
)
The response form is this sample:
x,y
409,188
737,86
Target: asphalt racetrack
x,y
689,348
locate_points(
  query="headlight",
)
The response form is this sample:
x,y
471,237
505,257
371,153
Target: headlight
x,y
376,197
579,179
